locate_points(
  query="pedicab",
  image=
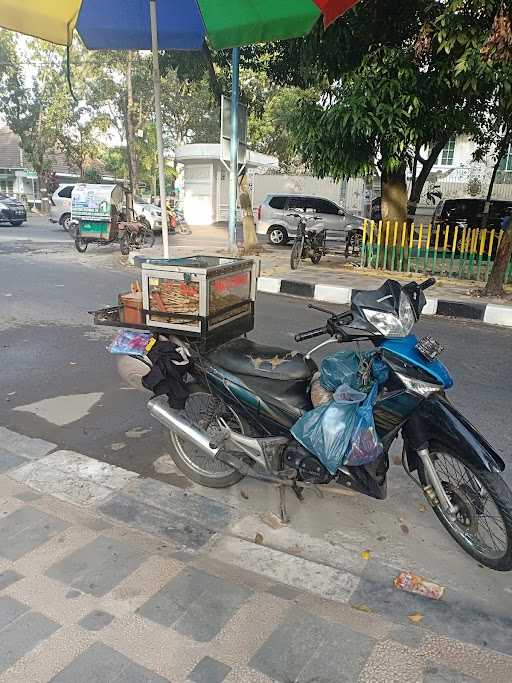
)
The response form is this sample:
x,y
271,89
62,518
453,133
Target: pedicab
x,y
98,216
96,211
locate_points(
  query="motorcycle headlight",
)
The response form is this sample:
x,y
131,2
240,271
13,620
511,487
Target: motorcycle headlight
x,y
389,324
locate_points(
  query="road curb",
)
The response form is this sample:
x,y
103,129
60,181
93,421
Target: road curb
x,y
493,314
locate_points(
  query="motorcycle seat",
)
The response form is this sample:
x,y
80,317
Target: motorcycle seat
x,y
244,357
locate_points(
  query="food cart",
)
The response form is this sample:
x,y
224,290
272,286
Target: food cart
x,y
206,300
99,212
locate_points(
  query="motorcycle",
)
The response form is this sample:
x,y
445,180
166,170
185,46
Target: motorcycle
x,y
244,399
307,243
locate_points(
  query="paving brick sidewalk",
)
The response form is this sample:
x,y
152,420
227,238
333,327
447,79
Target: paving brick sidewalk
x,y
112,587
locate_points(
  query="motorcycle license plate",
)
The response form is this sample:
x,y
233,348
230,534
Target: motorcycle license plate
x,y
429,348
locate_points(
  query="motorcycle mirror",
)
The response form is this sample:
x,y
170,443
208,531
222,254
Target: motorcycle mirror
x,y
320,308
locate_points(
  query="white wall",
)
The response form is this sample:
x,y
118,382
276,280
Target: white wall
x,y
198,193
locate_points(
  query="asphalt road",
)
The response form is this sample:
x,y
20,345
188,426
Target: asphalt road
x,y
59,383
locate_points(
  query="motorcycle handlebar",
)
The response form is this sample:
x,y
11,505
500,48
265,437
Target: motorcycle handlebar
x,y
309,334
428,283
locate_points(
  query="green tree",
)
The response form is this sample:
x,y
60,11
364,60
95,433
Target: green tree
x,y
388,80
34,110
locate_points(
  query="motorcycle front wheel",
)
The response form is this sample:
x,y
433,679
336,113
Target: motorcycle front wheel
x,y
483,524
296,254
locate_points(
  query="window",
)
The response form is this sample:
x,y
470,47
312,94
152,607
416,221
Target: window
x,y
323,206
297,203
277,202
506,162
446,156
66,192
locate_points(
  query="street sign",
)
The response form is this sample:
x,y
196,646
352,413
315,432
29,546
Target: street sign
x,y
225,131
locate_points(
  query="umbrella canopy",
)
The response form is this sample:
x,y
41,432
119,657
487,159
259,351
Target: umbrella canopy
x,y
182,24
179,25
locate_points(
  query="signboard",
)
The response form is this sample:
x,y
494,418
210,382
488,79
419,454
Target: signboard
x,y
94,202
225,131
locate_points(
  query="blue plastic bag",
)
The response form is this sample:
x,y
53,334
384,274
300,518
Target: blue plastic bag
x,y
326,431
341,368
364,446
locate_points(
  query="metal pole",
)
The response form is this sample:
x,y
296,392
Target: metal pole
x,y
158,122
233,172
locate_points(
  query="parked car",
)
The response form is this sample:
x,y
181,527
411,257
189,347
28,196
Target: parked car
x,y
274,222
151,212
60,209
60,205
468,212
12,211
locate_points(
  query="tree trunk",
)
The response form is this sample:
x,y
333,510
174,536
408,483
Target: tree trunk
x,y
249,227
494,286
393,205
43,191
426,167
130,128
487,206
394,195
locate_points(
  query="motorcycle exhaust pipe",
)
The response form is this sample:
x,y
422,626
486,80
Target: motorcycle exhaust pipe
x,y
174,420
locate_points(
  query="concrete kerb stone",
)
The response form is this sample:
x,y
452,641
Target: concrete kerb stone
x,y
492,314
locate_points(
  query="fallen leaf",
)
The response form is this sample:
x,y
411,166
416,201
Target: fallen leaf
x,y
361,607
404,528
258,539
397,460
244,495
422,508
365,554
415,617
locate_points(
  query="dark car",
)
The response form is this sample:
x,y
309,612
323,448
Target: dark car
x,y
468,212
11,211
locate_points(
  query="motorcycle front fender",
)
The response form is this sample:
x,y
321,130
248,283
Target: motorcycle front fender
x,y
437,420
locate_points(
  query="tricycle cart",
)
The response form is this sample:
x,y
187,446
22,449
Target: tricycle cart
x,y
98,210
99,215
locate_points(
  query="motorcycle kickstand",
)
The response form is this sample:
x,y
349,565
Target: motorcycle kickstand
x,y
283,512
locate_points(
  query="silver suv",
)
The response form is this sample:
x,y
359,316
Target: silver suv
x,y
279,227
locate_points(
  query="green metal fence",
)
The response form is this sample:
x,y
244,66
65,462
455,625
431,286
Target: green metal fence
x,y
460,252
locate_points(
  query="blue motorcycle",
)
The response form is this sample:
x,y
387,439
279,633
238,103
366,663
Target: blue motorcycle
x,y
245,398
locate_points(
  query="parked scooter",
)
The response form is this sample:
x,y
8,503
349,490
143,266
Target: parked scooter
x,y
245,399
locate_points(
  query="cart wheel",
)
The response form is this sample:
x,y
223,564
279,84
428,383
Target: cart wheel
x,y
124,245
81,244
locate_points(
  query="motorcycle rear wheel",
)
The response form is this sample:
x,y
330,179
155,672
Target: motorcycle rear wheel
x,y
483,527
200,467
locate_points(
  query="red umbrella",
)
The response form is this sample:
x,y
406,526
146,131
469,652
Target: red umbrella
x,y
332,9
